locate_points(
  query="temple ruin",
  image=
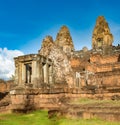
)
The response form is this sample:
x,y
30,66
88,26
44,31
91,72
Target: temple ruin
x,y
57,62
102,36
32,70
58,74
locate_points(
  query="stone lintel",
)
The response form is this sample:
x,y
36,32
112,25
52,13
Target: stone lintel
x,y
25,58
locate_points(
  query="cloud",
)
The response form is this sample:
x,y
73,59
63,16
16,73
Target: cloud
x,y
7,62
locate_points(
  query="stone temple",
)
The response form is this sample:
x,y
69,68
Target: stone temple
x,y
57,63
58,75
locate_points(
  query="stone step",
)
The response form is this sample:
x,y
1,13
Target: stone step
x,y
110,116
95,109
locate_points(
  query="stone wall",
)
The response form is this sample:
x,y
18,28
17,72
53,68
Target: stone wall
x,y
30,99
61,66
103,68
104,59
109,78
6,85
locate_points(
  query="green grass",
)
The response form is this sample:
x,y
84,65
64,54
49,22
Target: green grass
x,y
87,101
41,118
85,122
33,118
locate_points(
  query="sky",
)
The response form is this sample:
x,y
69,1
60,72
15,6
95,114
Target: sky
x,y
25,23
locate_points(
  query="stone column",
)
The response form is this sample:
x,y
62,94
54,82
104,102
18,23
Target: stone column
x,y
38,70
77,79
23,73
20,73
16,73
34,76
50,74
36,73
45,73
28,74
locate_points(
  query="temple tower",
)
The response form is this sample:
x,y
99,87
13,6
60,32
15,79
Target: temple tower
x,y
102,36
64,40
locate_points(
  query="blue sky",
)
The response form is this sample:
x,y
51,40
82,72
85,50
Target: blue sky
x,y
24,23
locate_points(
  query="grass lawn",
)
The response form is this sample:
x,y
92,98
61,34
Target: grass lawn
x,y
41,118
102,103
33,118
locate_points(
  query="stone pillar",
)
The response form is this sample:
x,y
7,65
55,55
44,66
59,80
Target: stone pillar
x,y
16,73
27,77
34,72
45,73
20,73
23,73
50,81
77,79
38,70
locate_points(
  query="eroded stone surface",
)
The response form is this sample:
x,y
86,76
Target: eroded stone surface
x,y
60,60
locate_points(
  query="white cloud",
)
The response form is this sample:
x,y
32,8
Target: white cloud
x,y
7,62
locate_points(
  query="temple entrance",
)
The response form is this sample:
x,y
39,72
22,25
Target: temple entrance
x,y
28,72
